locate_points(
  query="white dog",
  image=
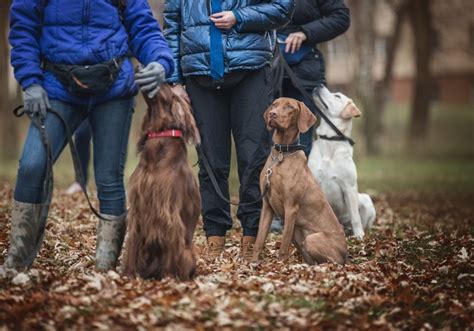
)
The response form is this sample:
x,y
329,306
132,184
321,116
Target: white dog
x,y
333,167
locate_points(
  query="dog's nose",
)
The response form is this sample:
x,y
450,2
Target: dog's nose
x,y
273,114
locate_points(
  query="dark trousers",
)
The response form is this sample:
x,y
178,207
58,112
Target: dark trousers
x,y
232,107
82,139
288,90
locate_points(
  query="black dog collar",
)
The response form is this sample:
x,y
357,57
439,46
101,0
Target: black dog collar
x,y
281,148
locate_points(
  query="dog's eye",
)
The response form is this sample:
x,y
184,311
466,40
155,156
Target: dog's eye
x,y
337,96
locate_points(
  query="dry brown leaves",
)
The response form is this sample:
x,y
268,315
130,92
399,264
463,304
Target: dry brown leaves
x,y
414,270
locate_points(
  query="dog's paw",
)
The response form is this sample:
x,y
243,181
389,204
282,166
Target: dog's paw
x,y
359,234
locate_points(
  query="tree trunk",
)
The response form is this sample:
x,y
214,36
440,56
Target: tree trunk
x,y
393,41
421,20
8,126
364,83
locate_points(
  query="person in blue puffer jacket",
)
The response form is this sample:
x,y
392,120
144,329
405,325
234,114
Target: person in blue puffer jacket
x,y
73,57
222,51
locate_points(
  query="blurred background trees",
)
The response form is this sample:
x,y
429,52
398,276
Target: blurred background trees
x,y
402,53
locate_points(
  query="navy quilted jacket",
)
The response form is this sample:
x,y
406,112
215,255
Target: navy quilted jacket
x,y
83,32
247,46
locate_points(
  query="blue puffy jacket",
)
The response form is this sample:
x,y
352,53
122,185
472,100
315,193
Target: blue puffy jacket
x,y
247,46
83,32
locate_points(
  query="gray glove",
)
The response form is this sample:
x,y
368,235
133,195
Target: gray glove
x,y
150,78
36,101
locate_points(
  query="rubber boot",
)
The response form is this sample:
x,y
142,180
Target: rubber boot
x,y
110,235
26,235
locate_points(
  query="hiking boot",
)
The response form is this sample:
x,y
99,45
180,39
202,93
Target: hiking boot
x,y
215,247
246,247
26,235
110,235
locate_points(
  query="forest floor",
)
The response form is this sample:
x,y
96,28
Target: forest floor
x,y
414,270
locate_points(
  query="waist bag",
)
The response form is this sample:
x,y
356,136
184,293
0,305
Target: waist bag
x,y
86,79
296,57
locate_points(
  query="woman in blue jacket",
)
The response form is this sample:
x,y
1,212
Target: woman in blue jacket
x,y
72,57
222,51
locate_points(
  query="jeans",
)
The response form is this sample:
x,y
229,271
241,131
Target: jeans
x,y
82,140
234,108
110,124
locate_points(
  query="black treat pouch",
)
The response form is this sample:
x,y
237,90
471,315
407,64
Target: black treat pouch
x,y
87,80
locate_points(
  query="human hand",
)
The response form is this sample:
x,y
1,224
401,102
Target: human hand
x,y
150,78
294,41
224,20
179,90
36,101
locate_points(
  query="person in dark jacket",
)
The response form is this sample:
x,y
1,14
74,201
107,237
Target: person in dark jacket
x,y
314,22
222,51
57,46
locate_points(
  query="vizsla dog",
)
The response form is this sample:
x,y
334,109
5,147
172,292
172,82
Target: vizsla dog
x,y
333,167
292,191
164,195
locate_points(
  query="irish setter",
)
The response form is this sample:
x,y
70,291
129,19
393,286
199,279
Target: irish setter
x,y
164,196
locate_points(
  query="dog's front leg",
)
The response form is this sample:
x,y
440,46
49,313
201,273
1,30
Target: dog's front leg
x,y
288,229
263,229
352,198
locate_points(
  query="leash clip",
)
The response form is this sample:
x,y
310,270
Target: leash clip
x,y
268,174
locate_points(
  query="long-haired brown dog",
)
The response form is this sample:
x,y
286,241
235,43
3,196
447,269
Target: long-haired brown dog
x,y
164,196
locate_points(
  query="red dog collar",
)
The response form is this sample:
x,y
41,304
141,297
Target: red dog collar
x,y
165,133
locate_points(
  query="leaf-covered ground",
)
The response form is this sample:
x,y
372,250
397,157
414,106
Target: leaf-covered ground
x,y
413,271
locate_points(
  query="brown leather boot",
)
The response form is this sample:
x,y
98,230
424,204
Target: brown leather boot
x,y
246,247
215,247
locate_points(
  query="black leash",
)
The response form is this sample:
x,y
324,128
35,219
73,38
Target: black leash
x,y
49,180
213,179
335,138
297,84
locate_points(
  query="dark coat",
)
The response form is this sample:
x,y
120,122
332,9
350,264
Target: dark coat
x,y
247,46
320,20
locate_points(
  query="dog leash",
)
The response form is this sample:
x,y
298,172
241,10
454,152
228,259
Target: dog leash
x,y
297,84
49,180
213,179
294,148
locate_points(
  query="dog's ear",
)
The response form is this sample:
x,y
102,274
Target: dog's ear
x,y
306,119
141,142
266,117
192,135
350,111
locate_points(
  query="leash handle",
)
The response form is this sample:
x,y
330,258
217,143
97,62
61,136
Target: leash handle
x,y
297,84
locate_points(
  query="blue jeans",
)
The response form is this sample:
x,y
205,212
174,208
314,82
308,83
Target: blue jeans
x,y
110,123
82,140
